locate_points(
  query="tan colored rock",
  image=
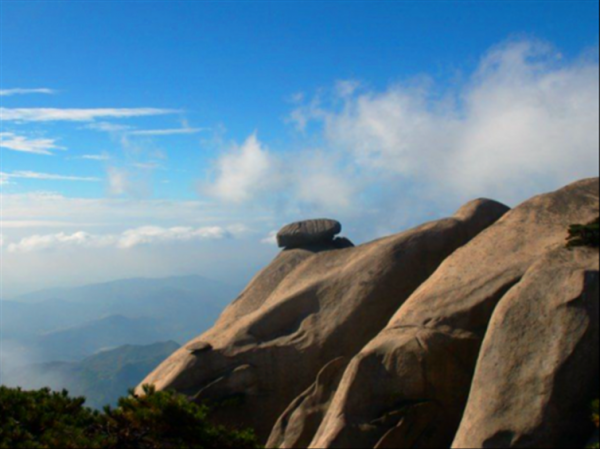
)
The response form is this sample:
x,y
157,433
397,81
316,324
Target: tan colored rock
x,y
300,422
539,364
305,310
426,356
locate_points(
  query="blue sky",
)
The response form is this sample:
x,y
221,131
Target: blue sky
x,y
174,130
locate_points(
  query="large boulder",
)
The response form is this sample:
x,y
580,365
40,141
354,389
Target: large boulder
x,y
409,386
307,233
538,367
310,307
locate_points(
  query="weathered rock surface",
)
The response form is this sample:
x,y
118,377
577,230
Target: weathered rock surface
x,y
300,422
409,386
310,307
539,364
307,233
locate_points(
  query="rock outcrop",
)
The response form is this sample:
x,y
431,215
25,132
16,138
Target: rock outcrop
x,y
409,386
539,361
313,305
480,330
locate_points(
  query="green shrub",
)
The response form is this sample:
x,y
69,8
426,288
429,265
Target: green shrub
x,y
584,235
42,419
155,420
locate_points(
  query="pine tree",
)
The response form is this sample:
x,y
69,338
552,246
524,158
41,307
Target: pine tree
x,y
155,420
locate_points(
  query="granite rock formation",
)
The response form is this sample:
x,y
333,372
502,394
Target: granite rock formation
x,y
418,372
311,306
479,330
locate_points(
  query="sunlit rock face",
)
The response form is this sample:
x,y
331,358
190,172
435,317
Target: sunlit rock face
x,y
410,385
538,367
318,301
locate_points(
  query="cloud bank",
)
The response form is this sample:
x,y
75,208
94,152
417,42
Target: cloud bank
x,y
525,121
147,235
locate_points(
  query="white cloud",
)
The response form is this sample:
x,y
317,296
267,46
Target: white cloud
x,y
134,181
245,173
114,128
46,177
271,239
108,127
119,181
68,261
96,157
322,183
166,132
132,238
76,115
37,207
346,88
11,92
23,144
525,122
151,234
45,242
291,182
305,113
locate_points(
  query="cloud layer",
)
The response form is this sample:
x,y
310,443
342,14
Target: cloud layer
x,y
147,235
525,121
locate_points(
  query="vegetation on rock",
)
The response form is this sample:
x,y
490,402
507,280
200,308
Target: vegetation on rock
x,y
585,235
44,419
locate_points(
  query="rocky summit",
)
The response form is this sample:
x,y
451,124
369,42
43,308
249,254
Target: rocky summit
x,y
479,330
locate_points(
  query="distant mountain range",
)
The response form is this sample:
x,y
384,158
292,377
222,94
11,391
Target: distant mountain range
x,y
68,325
102,379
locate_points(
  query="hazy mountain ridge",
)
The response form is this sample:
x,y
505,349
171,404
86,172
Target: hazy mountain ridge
x,y
71,324
101,378
130,288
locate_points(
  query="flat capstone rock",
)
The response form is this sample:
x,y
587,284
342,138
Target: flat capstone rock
x,y
307,233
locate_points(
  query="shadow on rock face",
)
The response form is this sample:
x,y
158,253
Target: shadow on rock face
x,y
299,423
542,343
417,373
312,305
